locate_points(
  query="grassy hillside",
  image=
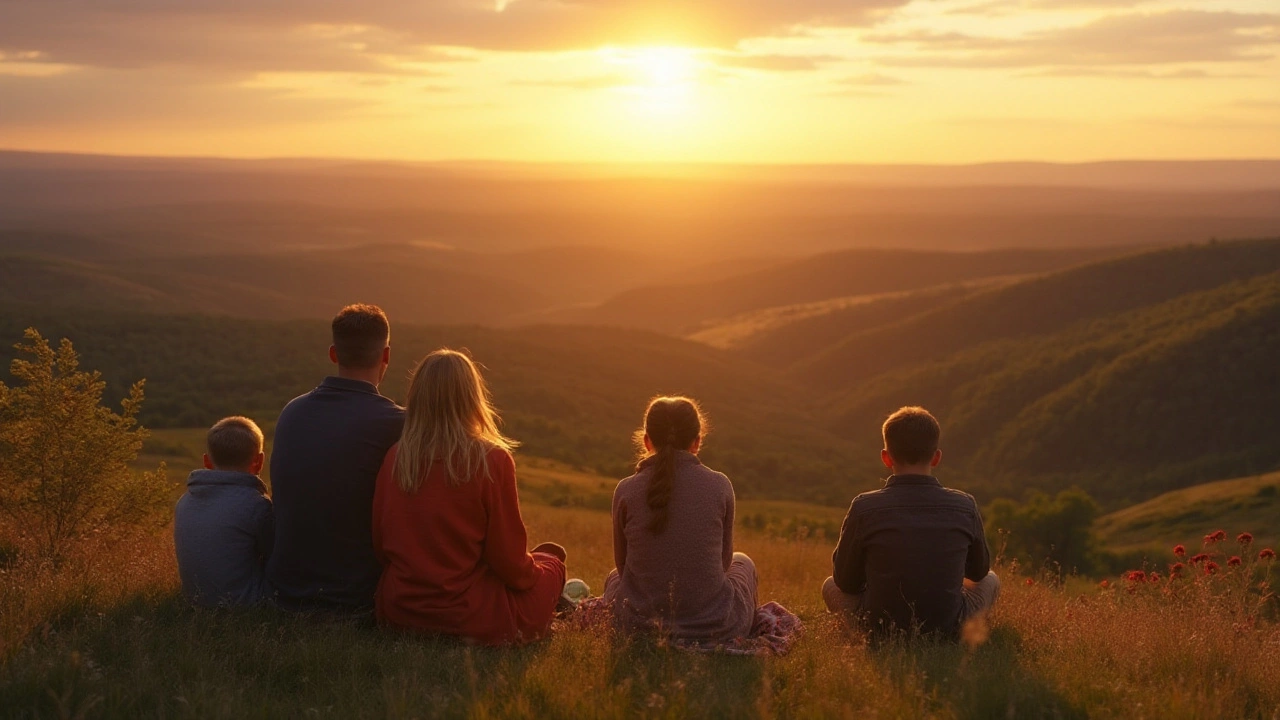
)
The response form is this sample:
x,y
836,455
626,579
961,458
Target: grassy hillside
x,y
570,393
1040,307
1183,516
691,306
1126,407
111,637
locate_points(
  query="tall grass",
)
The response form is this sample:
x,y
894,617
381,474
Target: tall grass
x,y
110,636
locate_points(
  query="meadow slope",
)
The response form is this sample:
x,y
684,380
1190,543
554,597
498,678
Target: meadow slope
x,y
110,637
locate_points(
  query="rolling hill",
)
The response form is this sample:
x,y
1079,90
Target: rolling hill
x,y
568,393
414,282
1037,307
692,306
1249,504
1125,404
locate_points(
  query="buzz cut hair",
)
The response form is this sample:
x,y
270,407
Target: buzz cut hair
x,y
233,443
911,435
360,334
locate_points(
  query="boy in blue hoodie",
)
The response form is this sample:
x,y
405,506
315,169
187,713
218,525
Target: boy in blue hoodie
x,y
223,527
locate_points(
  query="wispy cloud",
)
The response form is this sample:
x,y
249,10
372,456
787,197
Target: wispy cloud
x,y
1174,37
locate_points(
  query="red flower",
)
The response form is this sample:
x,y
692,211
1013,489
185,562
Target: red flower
x,y
1266,554
1135,576
1155,577
1030,582
1197,559
1233,561
1244,538
1215,536
1210,568
1104,584
1179,550
1176,569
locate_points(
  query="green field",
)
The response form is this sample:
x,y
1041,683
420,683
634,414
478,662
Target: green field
x,y
1251,504
110,637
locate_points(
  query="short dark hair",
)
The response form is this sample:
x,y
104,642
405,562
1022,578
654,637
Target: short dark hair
x,y
233,443
911,435
360,333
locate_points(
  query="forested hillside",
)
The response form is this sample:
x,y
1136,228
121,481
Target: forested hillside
x,y
1038,307
573,394
1127,377
688,306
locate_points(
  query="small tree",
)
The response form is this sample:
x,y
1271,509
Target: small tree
x,y
1058,529
64,457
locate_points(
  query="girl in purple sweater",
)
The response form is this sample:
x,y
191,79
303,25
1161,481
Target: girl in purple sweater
x,y
673,537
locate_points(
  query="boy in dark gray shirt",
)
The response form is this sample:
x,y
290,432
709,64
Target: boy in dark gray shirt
x,y
912,555
223,528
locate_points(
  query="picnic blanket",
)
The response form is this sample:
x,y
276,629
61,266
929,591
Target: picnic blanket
x,y
773,632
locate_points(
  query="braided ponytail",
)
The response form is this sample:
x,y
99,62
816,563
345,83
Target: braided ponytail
x,y
671,424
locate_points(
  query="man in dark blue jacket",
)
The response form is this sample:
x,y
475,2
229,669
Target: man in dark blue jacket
x,y
329,445
912,555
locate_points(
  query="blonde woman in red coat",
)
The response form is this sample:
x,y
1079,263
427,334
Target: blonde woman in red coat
x,y
446,519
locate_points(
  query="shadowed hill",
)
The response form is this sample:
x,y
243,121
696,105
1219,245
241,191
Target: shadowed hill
x,y
574,394
1126,407
1038,307
689,306
781,336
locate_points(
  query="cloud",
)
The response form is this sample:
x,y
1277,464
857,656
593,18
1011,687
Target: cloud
x,y
1179,36
871,79
156,99
376,35
1014,7
774,63
1121,72
591,82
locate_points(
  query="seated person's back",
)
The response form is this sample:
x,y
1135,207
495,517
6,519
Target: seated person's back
x,y
907,550
673,537
447,524
329,445
222,525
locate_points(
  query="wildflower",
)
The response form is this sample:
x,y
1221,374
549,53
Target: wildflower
x,y
1210,568
1175,570
1179,550
1104,584
1266,554
1234,561
1135,576
1215,536
1154,577
1030,582
1197,559
1244,538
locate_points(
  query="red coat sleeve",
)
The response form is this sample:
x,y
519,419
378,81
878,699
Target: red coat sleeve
x,y
381,487
506,541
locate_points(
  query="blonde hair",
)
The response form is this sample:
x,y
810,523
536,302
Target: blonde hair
x,y
450,419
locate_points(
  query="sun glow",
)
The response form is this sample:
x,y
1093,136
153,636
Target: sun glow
x,y
663,79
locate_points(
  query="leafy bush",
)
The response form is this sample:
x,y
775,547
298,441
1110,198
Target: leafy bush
x,y
64,457
1055,531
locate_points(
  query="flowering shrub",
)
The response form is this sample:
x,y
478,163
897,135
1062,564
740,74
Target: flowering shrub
x,y
1242,587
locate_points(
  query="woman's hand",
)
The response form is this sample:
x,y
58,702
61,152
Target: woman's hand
x,y
551,548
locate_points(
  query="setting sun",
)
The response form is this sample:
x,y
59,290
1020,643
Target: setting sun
x,y
663,79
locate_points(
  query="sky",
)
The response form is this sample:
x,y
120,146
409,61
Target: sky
x,y
737,81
